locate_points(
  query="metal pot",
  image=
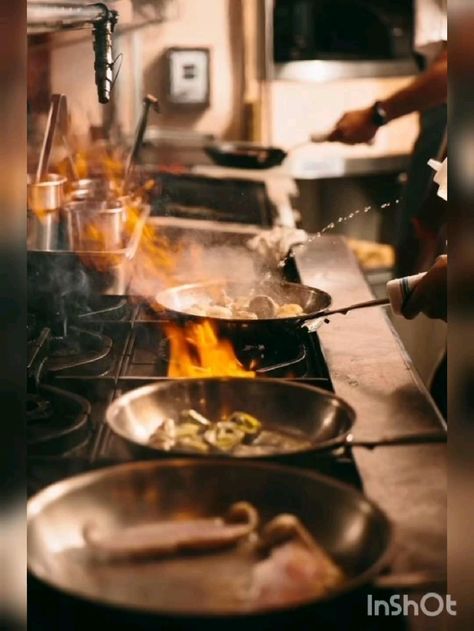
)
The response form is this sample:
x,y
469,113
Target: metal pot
x,y
95,225
44,202
91,189
42,230
46,195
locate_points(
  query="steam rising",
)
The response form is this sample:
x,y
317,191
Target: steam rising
x,y
180,256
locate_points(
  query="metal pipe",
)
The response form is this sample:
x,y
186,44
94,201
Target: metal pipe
x,y
103,21
63,14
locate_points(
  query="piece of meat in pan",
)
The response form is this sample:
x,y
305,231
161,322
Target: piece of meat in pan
x,y
167,538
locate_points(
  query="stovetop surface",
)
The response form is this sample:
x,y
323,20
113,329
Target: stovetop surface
x,y
77,369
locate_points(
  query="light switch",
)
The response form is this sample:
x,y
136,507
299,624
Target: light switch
x,y
189,82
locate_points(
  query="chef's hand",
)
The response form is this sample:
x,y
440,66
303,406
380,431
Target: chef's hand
x,y
354,128
430,295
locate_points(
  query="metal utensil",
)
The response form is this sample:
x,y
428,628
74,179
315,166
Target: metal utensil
x,y
57,121
244,155
91,224
44,200
149,102
247,155
346,524
178,301
104,272
91,189
382,302
320,419
47,195
48,140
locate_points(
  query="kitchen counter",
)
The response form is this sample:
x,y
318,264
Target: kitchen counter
x,y
317,165
372,372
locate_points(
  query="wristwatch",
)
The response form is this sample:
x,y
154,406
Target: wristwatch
x,y
379,114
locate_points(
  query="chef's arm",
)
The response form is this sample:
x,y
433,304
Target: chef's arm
x,y
430,296
428,90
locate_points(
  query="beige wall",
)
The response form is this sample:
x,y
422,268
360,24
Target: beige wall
x,y
296,109
198,23
299,109
72,73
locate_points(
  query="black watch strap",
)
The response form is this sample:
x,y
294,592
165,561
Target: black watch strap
x,y
379,115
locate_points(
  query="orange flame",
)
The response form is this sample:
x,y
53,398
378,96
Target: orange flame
x,y
197,352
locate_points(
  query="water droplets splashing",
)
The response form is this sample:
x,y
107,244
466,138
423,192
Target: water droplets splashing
x,y
352,215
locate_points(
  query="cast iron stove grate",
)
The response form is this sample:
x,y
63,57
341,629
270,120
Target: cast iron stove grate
x,y
57,422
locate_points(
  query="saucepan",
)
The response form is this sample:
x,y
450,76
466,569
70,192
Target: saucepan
x,y
294,419
196,587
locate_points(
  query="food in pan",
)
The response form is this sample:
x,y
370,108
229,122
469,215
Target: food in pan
x,y
285,563
251,307
237,434
295,566
166,538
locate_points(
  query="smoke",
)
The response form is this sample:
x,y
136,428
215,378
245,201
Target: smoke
x,y
220,262
171,256
58,285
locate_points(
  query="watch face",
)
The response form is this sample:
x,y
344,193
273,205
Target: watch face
x,y
380,115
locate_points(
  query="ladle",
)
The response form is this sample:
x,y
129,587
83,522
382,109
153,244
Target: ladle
x,y
149,102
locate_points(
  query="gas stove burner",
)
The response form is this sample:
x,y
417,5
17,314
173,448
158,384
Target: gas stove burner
x,y
58,421
283,360
79,351
37,408
106,308
276,362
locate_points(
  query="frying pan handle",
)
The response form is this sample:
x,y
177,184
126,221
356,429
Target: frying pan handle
x,y
412,582
381,302
313,325
436,436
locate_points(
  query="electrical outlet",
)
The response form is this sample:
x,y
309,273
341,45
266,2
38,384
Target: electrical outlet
x,y
189,79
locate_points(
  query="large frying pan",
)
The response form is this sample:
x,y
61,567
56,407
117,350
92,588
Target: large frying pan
x,y
321,419
248,155
177,301
350,527
245,155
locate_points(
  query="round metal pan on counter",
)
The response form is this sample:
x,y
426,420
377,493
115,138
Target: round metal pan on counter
x,y
178,302
313,420
347,526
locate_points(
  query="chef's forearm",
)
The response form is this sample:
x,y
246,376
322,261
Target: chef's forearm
x,y
427,91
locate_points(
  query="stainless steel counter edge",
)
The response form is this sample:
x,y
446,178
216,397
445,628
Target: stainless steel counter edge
x,y
372,371
317,167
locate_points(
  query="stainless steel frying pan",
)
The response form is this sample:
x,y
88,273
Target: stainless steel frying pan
x,y
348,526
178,301
320,419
